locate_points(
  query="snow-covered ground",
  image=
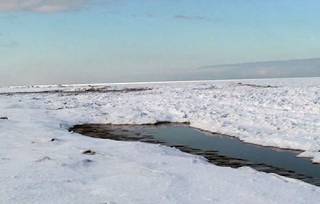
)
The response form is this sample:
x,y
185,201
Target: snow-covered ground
x,y
34,169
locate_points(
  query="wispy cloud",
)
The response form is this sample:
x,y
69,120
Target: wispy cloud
x,y
9,44
41,6
191,18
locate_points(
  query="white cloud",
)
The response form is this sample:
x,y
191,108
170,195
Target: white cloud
x,y
41,6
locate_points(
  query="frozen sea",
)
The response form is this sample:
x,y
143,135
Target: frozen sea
x,y
36,169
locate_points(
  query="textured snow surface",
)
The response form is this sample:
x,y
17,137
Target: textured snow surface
x,y
34,169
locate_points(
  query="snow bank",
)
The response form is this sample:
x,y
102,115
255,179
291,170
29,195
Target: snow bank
x,y
34,169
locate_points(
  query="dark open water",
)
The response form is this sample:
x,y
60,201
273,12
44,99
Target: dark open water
x,y
218,149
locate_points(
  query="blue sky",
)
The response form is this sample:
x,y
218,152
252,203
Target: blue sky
x,y
79,41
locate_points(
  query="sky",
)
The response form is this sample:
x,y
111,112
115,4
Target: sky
x,y
93,41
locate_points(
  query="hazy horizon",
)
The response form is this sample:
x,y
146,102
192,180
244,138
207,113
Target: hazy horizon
x,y
298,68
94,41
